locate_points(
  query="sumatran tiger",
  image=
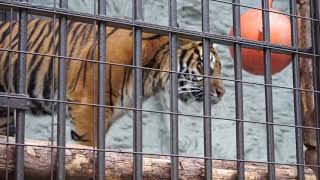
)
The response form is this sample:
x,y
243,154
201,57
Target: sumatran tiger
x,y
82,76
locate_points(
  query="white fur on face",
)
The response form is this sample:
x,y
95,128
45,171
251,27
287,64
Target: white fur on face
x,y
212,57
214,45
212,60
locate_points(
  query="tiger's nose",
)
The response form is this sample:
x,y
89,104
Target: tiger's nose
x,y
220,92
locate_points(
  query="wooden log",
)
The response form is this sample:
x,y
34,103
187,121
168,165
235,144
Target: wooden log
x,y
306,74
40,163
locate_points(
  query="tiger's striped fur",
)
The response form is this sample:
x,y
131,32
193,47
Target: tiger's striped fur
x,y
82,77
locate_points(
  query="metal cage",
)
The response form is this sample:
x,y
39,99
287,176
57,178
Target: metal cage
x,y
19,101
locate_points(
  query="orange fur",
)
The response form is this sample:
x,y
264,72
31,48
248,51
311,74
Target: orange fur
x,y
82,76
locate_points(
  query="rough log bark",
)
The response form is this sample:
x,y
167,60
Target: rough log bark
x,y
40,162
307,83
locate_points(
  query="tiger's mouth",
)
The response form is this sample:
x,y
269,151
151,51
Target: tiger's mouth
x,y
198,96
189,91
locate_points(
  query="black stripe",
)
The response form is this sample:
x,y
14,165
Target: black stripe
x,y
75,32
3,126
51,39
181,57
6,73
5,33
123,85
127,79
90,55
78,76
47,81
196,50
112,31
15,36
34,28
152,61
15,74
33,76
84,73
110,85
158,64
42,38
2,88
14,42
190,58
152,37
87,33
31,87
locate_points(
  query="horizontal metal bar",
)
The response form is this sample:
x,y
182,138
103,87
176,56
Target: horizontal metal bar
x,y
35,6
13,102
267,10
160,70
180,114
158,29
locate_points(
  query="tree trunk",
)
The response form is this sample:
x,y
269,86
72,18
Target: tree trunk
x,y
306,74
40,164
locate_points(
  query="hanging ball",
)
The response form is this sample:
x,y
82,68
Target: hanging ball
x,y
251,29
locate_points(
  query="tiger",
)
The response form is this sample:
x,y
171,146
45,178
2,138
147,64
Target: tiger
x,y
82,74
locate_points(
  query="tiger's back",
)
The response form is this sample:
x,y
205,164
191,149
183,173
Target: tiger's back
x,y
42,66
82,70
42,63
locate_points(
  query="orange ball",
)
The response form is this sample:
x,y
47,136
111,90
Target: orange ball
x,y
280,34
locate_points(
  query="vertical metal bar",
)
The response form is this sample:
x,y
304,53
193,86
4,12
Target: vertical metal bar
x,y
95,122
62,93
8,16
206,84
174,140
238,92
3,16
137,91
53,107
297,93
315,33
137,132
21,87
101,85
9,91
268,91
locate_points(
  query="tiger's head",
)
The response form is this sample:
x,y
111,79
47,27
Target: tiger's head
x,y
191,68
